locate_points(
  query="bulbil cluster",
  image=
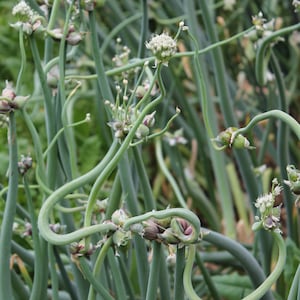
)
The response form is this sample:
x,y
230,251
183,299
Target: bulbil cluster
x,y
229,139
269,215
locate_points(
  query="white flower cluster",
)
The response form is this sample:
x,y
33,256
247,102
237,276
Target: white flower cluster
x,y
163,47
269,215
264,202
23,11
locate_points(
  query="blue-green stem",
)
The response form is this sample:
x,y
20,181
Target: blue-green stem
x,y
167,173
149,200
45,88
57,195
116,275
208,279
260,65
53,273
67,152
54,11
154,272
38,283
275,113
248,262
101,76
283,143
9,212
187,274
179,268
85,269
98,264
37,146
23,61
271,279
141,61
144,29
209,116
294,292
19,288
65,277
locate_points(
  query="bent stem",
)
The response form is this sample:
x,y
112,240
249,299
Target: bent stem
x,y
275,113
187,274
271,279
46,209
169,213
248,262
260,66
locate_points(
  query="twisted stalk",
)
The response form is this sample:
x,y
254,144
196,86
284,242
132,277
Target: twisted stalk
x,y
275,113
271,279
187,274
169,213
260,66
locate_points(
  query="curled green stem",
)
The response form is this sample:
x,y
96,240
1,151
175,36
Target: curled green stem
x,y
169,213
187,274
271,279
57,195
259,64
275,113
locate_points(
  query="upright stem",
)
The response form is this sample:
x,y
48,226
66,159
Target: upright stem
x,y
9,212
154,272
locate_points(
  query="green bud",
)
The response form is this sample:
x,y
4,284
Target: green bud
x,y
119,217
121,238
151,230
20,101
142,131
227,138
293,179
168,237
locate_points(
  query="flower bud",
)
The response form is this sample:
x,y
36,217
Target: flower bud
x,y
24,164
142,131
8,91
4,107
20,101
227,138
121,238
168,237
149,120
56,33
182,229
293,179
74,38
119,217
150,230
140,92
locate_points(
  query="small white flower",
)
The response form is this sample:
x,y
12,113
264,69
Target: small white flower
x,y
277,190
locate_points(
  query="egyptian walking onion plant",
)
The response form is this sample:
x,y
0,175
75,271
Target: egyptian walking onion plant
x,y
112,234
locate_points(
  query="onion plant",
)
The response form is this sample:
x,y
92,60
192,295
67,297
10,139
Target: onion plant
x,y
150,151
